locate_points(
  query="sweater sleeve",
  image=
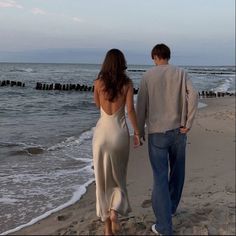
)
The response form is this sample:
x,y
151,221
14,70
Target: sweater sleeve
x,y
192,102
141,106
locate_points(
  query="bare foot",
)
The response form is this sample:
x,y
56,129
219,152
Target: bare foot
x,y
115,224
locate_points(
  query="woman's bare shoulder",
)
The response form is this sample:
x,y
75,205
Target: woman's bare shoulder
x,y
98,83
129,85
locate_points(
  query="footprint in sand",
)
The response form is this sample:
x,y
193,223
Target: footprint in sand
x,y
146,203
94,226
66,231
63,217
200,230
229,189
140,226
232,205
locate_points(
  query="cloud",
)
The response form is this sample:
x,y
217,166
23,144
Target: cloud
x,y
38,11
9,4
77,19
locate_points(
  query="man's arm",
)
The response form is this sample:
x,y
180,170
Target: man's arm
x,y
192,102
141,107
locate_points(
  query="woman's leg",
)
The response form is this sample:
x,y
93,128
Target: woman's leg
x,y
107,227
115,224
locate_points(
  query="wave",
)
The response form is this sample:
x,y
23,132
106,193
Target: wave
x,y
76,148
10,144
28,70
71,141
22,148
212,72
224,86
8,201
76,197
5,144
201,105
227,69
67,148
28,151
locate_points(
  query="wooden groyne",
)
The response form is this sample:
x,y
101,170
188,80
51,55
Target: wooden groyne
x,y
12,83
211,94
64,87
68,87
86,88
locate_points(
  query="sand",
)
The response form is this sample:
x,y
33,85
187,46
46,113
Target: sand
x,y
207,206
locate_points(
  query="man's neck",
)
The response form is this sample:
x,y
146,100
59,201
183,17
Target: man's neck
x,y
160,62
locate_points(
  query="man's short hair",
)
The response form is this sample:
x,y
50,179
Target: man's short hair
x,y
161,51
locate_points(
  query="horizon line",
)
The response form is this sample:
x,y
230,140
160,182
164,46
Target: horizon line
x,y
90,63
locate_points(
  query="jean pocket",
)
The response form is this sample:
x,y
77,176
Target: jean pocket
x,y
181,138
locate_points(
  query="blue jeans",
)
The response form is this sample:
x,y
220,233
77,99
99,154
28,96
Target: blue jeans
x,y
167,150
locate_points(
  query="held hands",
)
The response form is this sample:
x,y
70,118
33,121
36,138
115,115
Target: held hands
x,y
137,140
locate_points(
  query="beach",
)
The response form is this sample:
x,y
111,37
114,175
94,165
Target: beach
x,y
207,206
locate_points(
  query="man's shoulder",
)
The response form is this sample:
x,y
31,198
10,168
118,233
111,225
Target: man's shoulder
x,y
156,70
179,70
182,69
150,72
176,68
147,73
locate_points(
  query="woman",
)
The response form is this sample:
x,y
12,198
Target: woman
x,y
113,90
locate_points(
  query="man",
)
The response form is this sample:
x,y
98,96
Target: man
x,y
167,103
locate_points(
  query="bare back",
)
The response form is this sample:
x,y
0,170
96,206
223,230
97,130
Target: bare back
x,y
109,107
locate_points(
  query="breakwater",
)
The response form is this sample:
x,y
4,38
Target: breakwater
x,y
12,83
68,87
64,87
87,88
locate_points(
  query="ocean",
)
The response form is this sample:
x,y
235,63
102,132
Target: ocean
x,y
46,136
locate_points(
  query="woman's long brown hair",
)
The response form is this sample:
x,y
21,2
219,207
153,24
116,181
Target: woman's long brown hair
x,y
113,74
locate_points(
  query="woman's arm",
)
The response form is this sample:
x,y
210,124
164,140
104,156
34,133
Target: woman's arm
x,y
96,94
130,109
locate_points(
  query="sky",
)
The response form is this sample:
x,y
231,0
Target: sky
x,y
198,32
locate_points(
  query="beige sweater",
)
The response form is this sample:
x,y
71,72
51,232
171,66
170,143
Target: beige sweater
x,y
166,99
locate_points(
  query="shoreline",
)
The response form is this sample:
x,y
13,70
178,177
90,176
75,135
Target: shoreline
x,y
80,218
82,190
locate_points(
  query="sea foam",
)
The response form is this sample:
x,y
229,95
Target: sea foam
x,y
76,197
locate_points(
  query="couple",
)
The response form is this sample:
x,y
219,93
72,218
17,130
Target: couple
x,y
167,103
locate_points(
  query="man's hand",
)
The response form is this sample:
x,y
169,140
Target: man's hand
x,y
184,130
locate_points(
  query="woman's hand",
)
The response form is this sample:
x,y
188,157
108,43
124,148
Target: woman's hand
x,y
137,141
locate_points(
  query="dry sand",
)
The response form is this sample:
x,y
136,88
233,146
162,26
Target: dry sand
x,y
208,201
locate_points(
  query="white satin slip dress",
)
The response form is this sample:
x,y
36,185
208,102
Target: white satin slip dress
x,y
110,156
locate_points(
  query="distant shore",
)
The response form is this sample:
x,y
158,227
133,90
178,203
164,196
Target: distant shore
x,y
208,202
